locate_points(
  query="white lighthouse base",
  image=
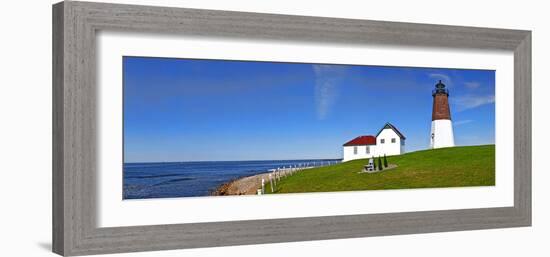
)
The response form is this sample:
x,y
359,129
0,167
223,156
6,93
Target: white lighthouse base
x,y
442,134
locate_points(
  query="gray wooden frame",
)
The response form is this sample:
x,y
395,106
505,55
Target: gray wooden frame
x,y
74,128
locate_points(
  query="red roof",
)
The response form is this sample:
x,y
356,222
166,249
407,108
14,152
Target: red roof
x,y
362,140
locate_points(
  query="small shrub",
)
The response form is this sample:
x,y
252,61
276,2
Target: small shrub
x,y
385,162
380,163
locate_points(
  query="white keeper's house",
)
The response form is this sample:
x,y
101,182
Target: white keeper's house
x,y
388,141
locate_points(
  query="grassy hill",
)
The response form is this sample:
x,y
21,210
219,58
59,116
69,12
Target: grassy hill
x,y
445,167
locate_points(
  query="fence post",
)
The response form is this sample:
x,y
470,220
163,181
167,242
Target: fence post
x,y
271,182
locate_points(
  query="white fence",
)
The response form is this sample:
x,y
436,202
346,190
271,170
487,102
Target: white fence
x,y
279,173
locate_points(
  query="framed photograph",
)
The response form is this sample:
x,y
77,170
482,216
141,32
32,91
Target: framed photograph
x,y
183,128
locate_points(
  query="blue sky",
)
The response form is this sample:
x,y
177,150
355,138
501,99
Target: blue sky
x,y
205,110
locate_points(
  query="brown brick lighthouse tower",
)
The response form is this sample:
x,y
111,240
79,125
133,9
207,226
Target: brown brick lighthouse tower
x,y
442,127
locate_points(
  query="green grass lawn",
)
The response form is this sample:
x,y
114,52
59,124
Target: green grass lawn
x,y
445,167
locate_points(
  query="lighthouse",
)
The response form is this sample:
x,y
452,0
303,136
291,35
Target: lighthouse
x,y
442,126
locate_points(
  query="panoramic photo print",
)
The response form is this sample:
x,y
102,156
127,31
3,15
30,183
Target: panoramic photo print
x,y
196,127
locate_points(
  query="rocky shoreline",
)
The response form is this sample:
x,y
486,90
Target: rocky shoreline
x,y
242,186
250,185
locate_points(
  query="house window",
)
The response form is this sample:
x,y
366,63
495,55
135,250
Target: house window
x,y
368,149
355,150
382,141
393,140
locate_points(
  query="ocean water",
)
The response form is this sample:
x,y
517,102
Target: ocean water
x,y
185,179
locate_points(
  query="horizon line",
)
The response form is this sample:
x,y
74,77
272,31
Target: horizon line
x,y
321,159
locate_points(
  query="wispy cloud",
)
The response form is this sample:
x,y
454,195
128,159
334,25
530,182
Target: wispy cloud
x,y
472,85
444,78
462,122
326,78
469,102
